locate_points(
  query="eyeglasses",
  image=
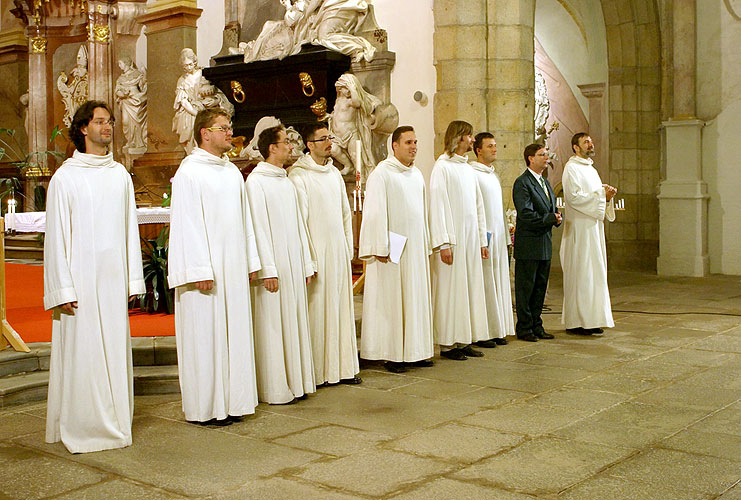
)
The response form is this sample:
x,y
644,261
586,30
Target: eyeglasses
x,y
101,122
282,142
323,139
225,129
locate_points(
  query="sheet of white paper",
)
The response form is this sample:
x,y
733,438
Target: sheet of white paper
x,y
488,239
396,246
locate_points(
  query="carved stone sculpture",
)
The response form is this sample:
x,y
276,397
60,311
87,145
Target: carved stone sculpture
x,y
131,98
74,91
24,102
251,152
330,23
193,93
360,116
542,108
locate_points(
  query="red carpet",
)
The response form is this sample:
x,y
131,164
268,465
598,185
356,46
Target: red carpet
x,y
24,295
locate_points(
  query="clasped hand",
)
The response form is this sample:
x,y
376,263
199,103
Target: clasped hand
x,y
609,191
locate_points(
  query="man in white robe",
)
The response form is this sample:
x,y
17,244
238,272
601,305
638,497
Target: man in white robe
x,y
212,257
586,298
326,212
285,371
496,267
397,305
92,265
458,233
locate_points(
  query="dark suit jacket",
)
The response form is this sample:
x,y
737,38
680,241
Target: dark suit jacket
x,y
536,216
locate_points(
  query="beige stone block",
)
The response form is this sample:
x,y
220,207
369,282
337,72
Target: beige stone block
x,y
650,97
629,181
630,121
648,230
630,98
649,141
332,440
471,42
644,12
649,75
512,11
610,13
445,12
472,108
625,11
508,42
445,39
461,74
510,144
616,159
649,45
628,45
614,231
616,97
458,12
614,45
616,123
630,159
510,110
446,109
649,121
649,160
604,486
117,489
649,208
511,74
533,419
649,182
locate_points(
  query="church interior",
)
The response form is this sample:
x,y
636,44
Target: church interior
x,y
652,410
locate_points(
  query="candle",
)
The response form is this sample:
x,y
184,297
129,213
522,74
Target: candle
x,y
359,159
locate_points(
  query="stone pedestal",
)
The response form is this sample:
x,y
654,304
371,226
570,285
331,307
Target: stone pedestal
x,y
683,203
595,92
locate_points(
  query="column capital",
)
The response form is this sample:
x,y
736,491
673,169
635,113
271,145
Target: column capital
x,y
591,90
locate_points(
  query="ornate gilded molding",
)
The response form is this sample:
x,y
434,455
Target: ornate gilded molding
x,y
38,44
100,33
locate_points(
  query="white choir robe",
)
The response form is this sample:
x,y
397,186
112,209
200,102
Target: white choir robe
x,y
92,255
282,337
496,267
211,238
323,201
586,298
457,219
397,305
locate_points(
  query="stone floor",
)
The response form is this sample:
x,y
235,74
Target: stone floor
x,y
652,410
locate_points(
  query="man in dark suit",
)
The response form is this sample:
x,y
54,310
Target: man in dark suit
x,y
536,215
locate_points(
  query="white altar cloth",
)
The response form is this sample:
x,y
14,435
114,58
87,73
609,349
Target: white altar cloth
x,y
35,222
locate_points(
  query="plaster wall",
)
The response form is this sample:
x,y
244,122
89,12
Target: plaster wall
x,y
719,104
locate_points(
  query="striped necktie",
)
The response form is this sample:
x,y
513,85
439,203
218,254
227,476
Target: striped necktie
x,y
542,183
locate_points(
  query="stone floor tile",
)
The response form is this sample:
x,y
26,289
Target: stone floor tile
x,y
332,440
17,424
722,377
544,465
604,487
651,369
620,384
706,443
276,488
373,472
265,424
383,380
436,389
489,397
683,471
28,474
720,343
119,490
526,418
446,489
202,461
725,421
732,494
456,443
694,357
579,399
589,363
689,395
708,322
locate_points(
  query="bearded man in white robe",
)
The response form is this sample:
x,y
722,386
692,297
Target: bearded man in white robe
x,y
458,232
283,356
496,267
326,212
212,258
397,307
92,265
586,298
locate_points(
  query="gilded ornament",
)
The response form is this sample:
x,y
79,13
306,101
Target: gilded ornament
x,y
307,84
237,91
38,44
319,108
102,33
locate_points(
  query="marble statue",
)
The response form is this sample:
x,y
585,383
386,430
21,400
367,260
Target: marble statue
x,y
358,115
24,102
75,90
193,93
131,97
330,23
251,152
542,108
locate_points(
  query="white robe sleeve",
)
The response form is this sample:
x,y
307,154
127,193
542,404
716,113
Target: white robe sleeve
x,y
261,223
302,196
253,256
133,245
189,258
442,227
579,197
346,214
58,285
310,266
610,210
374,231
481,213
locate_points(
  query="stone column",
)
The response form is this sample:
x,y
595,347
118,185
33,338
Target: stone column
x,y
14,75
683,195
594,92
99,51
38,96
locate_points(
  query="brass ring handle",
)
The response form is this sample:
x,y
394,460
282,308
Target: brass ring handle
x,y
307,84
237,92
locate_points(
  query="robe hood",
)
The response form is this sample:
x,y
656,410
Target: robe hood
x,y
454,158
265,168
482,168
91,161
203,156
393,162
581,161
307,161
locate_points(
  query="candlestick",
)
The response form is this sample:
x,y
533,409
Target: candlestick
x,y
359,160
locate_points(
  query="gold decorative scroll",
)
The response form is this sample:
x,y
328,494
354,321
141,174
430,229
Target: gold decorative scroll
x,y
237,92
38,44
307,84
101,33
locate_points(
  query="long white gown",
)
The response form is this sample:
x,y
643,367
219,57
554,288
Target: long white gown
x,y
397,307
496,267
323,201
586,298
457,219
282,338
211,238
92,255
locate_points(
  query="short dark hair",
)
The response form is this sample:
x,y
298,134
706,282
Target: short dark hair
x,y
308,133
478,141
82,118
204,119
575,139
400,130
530,150
267,137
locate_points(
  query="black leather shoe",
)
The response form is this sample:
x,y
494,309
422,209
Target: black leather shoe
x,y
213,421
424,363
454,354
488,344
471,352
542,334
527,337
596,331
235,418
578,331
501,341
351,381
395,367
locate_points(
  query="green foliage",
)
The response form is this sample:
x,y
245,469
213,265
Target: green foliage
x,y
39,198
155,272
167,197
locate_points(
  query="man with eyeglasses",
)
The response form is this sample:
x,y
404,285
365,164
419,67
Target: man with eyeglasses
x,y
285,371
212,258
325,209
586,298
536,215
92,265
